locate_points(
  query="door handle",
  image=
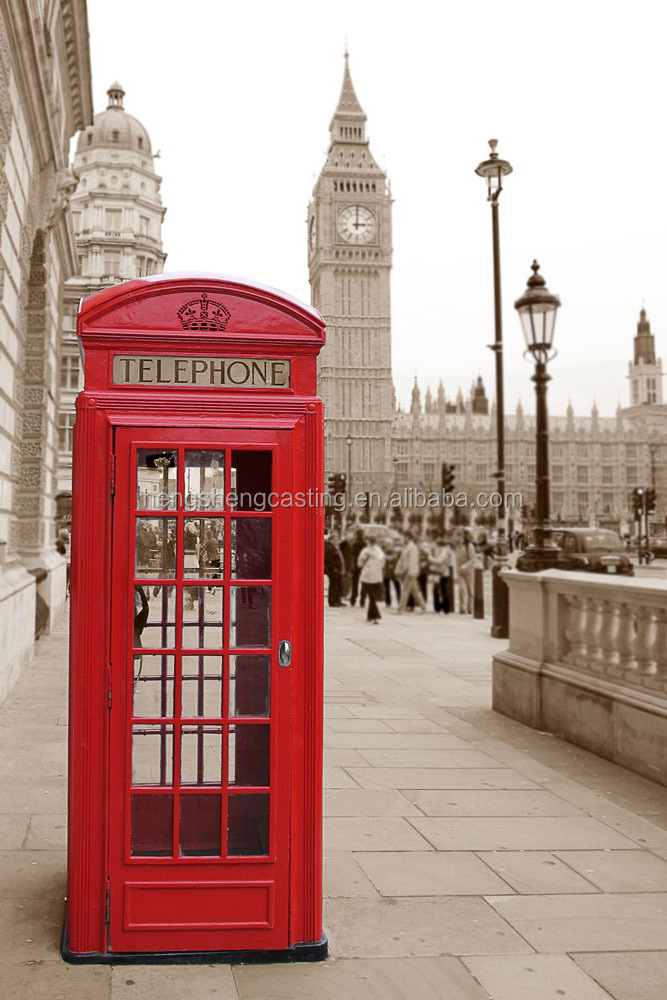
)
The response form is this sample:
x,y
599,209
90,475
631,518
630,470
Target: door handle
x,y
285,653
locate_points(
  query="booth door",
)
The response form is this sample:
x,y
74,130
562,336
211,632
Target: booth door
x,y
199,703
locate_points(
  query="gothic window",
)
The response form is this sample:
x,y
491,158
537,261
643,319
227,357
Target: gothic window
x,y
607,473
65,430
631,451
582,473
631,475
557,473
607,503
582,451
606,451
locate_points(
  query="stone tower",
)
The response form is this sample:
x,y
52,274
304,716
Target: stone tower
x,y
645,371
117,215
349,256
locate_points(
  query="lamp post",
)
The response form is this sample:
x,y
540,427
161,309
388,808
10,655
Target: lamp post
x,y
493,170
348,442
537,310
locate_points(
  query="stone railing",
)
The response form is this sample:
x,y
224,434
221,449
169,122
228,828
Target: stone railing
x,y
587,660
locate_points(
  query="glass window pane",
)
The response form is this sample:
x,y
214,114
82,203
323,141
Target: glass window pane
x,y
204,480
250,610
201,755
156,479
201,825
153,685
247,825
202,617
154,617
248,762
155,551
249,685
203,544
201,690
152,754
152,823
251,480
251,548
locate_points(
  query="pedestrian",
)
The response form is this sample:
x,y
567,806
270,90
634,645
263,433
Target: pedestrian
x,y
334,567
465,562
357,544
371,562
389,573
407,571
442,566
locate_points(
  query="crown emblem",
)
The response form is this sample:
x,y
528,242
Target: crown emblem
x,y
203,314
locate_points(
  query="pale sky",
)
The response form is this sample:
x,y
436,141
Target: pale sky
x,y
238,97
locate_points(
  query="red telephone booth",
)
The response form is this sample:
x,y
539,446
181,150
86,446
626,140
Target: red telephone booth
x,y
195,774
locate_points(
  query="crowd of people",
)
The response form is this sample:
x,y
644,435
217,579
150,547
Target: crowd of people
x,y
371,566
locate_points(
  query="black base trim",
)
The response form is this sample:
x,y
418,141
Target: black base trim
x,y
315,951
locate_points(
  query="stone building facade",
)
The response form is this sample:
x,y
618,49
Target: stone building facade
x,y
595,462
45,97
117,214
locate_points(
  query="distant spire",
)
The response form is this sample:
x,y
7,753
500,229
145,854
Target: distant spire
x,y
644,341
349,114
415,403
428,401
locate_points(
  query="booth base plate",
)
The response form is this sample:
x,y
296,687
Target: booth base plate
x,y
315,951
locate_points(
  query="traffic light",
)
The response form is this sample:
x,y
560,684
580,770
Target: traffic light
x,y
331,484
448,477
638,502
650,501
337,482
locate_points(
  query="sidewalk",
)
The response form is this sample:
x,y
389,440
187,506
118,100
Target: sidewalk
x,y
466,856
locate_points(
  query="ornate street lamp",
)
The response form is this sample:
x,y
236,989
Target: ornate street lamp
x,y
537,310
349,442
493,170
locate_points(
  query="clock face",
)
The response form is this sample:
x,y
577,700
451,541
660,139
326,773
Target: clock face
x,y
356,224
312,233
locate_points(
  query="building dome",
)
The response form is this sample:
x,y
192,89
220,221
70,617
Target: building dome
x,y
114,127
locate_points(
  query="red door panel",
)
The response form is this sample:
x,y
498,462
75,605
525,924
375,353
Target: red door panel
x,y
199,747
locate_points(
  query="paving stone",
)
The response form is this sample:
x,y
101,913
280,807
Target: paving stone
x,y
358,726
428,758
30,928
36,874
600,922
414,726
454,925
13,830
47,832
411,873
172,982
343,876
639,975
620,871
526,833
537,977
55,980
384,712
505,802
342,758
535,872
336,777
376,833
402,743
364,802
361,979
431,777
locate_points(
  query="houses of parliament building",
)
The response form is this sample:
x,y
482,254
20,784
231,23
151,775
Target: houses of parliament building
x,y
595,461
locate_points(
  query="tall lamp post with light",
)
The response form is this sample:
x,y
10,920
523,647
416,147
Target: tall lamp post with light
x,y
493,170
537,310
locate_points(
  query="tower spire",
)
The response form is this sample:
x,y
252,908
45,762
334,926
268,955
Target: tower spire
x,y
349,115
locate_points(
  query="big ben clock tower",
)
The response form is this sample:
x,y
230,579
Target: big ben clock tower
x,y
349,257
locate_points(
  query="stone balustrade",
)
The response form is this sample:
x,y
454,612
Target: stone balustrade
x,y
587,660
